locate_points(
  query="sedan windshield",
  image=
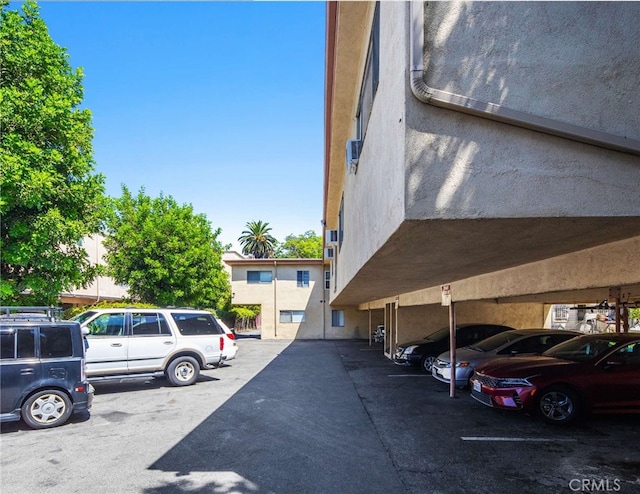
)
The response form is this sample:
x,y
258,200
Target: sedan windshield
x,y
495,341
438,335
581,349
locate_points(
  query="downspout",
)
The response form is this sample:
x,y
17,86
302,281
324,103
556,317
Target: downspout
x,y
492,111
275,299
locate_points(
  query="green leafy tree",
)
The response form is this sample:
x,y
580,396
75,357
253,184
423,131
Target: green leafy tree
x,y
634,314
307,246
165,253
49,196
257,241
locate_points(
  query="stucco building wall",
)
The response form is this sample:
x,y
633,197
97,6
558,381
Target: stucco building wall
x,y
443,196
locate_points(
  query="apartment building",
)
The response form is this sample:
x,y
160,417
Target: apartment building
x,y
481,153
102,289
292,294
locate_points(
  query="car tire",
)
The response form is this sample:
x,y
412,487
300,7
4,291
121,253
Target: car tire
x,y
559,405
427,363
183,371
46,408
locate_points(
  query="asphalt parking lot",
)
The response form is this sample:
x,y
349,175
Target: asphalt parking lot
x,y
313,417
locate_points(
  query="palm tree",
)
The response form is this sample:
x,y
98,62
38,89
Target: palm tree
x,y
257,241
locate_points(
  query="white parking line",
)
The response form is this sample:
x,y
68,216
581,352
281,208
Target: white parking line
x,y
409,375
519,439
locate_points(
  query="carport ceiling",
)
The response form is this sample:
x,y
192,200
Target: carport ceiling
x,y
424,254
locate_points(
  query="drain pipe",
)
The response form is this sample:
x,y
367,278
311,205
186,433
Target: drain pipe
x,y
492,111
275,299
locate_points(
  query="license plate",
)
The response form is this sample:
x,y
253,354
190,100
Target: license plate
x,y
477,386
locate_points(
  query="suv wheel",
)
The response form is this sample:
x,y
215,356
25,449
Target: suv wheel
x,y
47,408
183,371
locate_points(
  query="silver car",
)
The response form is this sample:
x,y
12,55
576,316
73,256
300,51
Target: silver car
x,y
509,343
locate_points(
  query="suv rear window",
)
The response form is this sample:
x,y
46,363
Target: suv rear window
x,y
196,324
18,343
149,324
55,342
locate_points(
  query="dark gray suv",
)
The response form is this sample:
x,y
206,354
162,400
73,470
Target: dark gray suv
x,y
42,368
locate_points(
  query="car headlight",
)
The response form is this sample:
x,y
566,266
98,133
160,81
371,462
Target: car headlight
x,y
512,382
463,364
410,349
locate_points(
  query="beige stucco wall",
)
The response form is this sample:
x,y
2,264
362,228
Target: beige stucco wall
x,y
489,197
374,195
418,321
103,288
283,294
559,60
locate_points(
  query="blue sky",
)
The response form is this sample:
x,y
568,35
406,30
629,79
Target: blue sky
x,y
217,104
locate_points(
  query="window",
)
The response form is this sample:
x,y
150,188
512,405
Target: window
x,y
196,324
303,278
26,343
149,324
341,223
7,345
371,76
327,280
561,313
259,276
107,325
55,342
19,343
337,318
291,316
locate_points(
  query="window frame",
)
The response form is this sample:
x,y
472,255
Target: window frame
x,y
337,318
259,280
302,278
290,320
370,79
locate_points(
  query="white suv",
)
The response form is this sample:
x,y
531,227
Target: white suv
x,y
134,342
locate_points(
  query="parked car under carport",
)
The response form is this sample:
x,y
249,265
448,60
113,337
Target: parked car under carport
x,y
422,353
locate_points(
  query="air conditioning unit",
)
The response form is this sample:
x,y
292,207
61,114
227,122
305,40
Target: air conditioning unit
x,y
331,237
329,253
353,155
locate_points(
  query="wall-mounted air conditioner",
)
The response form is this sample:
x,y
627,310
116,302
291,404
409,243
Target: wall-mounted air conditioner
x,y
329,253
331,237
353,155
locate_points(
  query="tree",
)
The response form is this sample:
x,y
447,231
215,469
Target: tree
x,y
307,246
257,240
49,196
165,253
634,314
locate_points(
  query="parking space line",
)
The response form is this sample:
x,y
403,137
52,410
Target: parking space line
x,y
519,439
409,375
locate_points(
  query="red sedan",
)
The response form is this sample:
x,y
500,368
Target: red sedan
x,y
597,373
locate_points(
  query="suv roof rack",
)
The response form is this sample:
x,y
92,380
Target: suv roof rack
x,y
22,312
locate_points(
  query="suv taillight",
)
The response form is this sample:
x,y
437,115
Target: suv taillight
x,y
221,343
231,336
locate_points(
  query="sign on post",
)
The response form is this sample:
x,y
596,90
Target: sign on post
x,y
446,295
